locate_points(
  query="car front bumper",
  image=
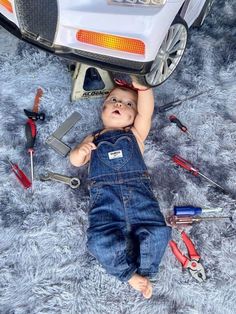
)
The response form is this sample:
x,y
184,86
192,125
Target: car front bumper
x,y
53,26
97,60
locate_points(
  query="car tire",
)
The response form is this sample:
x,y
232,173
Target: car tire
x,y
204,12
168,56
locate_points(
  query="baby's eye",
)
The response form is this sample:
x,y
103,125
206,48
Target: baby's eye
x,y
130,104
113,99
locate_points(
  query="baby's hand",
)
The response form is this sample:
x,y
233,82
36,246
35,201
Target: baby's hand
x,y
81,154
85,149
137,85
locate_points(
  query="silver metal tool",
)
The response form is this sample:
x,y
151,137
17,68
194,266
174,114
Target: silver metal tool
x,y
54,140
73,182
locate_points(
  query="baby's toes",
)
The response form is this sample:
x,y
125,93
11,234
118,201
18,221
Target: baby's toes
x,y
147,292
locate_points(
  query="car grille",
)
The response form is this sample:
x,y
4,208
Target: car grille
x,y
38,19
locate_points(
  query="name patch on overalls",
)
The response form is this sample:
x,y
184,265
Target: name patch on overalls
x,y
115,154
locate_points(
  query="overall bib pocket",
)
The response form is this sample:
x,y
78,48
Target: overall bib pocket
x,y
115,155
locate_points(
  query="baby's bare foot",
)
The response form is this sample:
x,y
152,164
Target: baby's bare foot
x,y
141,284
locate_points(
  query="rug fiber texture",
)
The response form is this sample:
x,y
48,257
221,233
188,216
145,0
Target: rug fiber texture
x,y
44,263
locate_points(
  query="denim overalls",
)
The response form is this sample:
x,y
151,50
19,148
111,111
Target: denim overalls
x,y
127,232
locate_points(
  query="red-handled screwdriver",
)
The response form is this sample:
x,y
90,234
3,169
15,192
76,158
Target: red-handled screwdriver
x,y
179,124
30,133
188,166
21,176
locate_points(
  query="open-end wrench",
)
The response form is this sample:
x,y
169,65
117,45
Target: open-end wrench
x,y
73,182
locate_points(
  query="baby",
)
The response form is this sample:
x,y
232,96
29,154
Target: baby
x,y
127,232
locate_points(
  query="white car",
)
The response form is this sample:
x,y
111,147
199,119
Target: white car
x,y
146,38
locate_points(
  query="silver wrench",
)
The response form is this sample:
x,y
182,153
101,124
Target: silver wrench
x,y
73,182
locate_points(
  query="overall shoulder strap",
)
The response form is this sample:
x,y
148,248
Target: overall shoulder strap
x,y
96,134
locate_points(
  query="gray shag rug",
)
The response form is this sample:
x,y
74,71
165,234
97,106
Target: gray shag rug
x,y
44,264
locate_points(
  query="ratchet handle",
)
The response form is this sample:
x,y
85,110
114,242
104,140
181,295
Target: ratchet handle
x,y
193,254
180,257
179,124
185,164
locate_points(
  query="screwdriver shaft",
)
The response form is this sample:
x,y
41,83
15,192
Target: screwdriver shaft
x,y
202,175
32,168
189,134
212,218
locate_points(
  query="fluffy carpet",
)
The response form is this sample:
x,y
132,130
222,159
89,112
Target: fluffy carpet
x,y
44,264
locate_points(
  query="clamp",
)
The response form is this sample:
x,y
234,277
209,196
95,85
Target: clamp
x,y
192,263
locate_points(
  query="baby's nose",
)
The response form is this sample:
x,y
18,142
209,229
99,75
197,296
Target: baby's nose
x,y
119,103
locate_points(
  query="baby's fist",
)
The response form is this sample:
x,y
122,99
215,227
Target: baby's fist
x,y
138,85
86,148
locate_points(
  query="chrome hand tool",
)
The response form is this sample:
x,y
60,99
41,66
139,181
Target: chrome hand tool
x,y
73,182
192,263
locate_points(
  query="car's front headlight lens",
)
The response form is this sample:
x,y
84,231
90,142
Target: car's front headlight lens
x,y
110,41
138,2
7,4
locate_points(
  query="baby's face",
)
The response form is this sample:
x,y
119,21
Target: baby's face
x,y
119,109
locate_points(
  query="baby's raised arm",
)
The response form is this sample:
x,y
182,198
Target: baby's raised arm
x,y
145,107
81,154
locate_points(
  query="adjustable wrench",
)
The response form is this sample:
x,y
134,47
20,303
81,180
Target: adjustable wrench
x,y
73,182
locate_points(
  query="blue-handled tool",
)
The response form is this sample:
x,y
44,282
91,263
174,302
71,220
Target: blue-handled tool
x,y
193,211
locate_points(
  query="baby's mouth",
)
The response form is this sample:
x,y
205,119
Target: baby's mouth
x,y
117,112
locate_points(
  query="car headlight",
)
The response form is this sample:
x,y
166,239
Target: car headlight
x,y
138,2
7,4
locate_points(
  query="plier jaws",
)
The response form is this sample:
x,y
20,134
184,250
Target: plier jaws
x,y
197,271
192,263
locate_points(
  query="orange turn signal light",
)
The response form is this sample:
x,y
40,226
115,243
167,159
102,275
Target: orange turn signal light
x,y
7,5
111,41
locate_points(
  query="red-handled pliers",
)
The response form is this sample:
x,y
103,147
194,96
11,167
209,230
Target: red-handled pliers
x,y
192,263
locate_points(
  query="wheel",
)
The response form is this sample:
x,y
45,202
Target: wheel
x,y
204,12
169,54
